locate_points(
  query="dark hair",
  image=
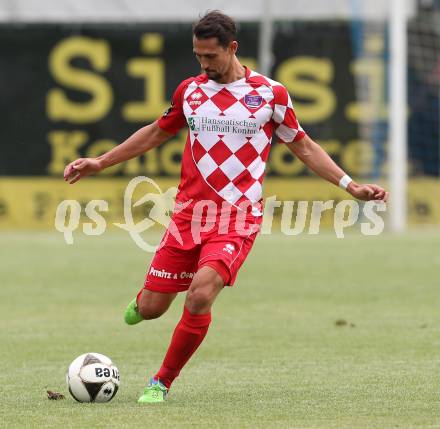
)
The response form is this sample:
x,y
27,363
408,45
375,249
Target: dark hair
x,y
216,24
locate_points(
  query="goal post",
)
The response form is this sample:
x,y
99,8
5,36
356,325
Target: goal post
x,y
398,141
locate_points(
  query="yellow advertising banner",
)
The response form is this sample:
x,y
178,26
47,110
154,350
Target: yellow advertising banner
x,y
31,203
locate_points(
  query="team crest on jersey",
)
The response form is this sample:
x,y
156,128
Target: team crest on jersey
x,y
253,101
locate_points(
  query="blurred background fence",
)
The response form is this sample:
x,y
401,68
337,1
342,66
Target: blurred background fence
x,y
77,77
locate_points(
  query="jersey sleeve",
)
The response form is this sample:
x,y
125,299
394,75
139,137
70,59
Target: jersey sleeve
x,y
173,118
286,125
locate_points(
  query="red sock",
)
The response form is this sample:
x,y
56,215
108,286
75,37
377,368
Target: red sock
x,y
187,337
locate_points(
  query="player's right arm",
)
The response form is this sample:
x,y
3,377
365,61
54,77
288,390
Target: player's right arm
x,y
138,143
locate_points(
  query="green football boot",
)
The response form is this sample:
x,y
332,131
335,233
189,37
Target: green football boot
x,y
154,392
131,315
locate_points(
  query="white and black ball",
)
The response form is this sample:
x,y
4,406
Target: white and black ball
x,y
92,377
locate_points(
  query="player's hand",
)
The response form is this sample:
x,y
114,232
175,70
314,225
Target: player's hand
x,y
80,168
367,192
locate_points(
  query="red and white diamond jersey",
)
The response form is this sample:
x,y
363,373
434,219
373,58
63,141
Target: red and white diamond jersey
x,y
229,137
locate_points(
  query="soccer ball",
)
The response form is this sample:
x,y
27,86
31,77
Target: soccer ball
x,y
92,377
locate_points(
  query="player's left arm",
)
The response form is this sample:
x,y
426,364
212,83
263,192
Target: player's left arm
x,y
319,161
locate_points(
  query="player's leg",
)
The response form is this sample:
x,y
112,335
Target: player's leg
x,y
194,324
189,332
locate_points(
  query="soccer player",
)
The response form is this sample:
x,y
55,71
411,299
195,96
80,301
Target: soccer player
x,y
232,114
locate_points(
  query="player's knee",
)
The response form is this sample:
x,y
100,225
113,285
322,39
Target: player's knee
x,y
197,300
200,296
203,291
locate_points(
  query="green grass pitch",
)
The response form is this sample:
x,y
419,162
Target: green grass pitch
x,y
274,356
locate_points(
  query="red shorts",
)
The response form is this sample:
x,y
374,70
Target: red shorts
x,y
181,255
